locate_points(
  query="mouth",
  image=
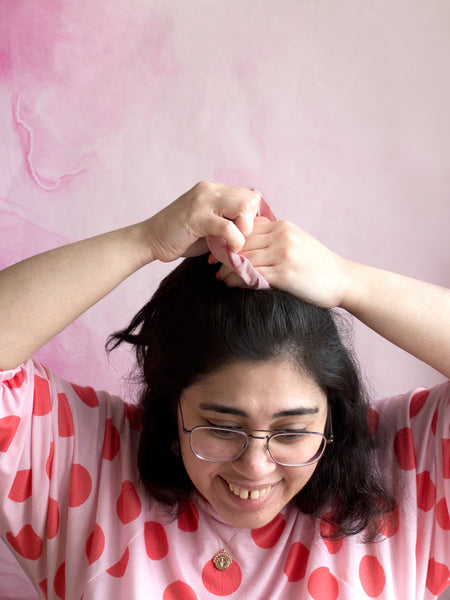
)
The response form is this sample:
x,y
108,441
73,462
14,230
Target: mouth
x,y
245,494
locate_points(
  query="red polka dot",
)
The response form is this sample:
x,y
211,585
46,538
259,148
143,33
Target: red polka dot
x,y
80,485
133,413
111,442
27,543
178,590
49,463
21,487
434,421
156,543
326,530
65,421
118,570
95,544
372,576
52,518
322,585
59,583
404,449
446,457
129,504
188,518
8,428
86,394
417,402
442,514
392,523
268,536
221,583
373,419
16,381
296,562
42,403
437,577
426,491
43,585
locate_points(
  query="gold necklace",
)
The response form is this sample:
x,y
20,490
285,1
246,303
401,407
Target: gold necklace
x,y
222,559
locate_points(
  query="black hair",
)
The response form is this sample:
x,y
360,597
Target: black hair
x,y
195,324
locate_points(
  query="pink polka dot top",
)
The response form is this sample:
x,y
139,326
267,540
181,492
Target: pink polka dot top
x,y
73,513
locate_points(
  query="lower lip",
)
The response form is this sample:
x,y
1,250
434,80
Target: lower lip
x,y
247,504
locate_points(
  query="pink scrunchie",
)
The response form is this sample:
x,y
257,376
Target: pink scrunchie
x,y
243,267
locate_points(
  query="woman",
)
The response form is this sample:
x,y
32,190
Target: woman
x,y
255,472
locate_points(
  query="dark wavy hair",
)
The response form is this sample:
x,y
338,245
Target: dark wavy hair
x,y
193,325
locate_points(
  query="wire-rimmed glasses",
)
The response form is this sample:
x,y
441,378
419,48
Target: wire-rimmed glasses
x,y
292,448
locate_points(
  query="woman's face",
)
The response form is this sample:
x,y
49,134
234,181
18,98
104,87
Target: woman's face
x,y
271,395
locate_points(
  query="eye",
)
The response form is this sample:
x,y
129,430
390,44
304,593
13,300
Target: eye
x,y
290,437
224,434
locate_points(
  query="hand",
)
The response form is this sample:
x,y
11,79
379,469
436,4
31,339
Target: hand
x,y
206,209
292,260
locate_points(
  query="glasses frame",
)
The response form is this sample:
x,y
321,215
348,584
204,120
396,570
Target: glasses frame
x,y
246,432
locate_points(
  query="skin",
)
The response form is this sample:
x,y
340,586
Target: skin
x,y
251,396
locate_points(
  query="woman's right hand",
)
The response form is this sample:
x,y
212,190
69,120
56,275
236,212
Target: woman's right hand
x,y
215,209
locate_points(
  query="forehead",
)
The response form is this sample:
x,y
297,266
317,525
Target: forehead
x,y
251,389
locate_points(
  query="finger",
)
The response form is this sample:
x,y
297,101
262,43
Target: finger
x,y
233,280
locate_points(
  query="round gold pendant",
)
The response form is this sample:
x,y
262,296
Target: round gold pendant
x,y
222,560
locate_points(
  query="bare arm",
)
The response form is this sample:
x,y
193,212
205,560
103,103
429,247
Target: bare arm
x,y
40,296
412,314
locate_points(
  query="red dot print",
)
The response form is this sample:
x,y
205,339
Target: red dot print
x,y
322,585
404,449
296,562
327,530
42,403
27,543
426,491
128,504
437,577
16,381
86,394
417,402
442,514
65,421
8,428
52,518
446,457
221,583
392,523
156,542
95,544
372,576
44,587
434,421
268,536
188,518
373,419
80,485
111,442
178,590
59,583
49,463
133,413
21,487
118,570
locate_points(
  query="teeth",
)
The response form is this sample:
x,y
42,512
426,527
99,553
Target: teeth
x,y
245,494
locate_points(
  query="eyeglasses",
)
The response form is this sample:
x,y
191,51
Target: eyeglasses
x,y
293,448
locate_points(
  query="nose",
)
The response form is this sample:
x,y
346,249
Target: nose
x,y
255,463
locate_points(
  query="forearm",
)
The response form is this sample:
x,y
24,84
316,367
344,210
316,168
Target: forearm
x,y
412,314
41,295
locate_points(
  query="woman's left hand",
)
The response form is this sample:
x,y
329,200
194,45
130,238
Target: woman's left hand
x,y
292,260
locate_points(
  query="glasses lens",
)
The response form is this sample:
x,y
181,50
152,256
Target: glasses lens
x,y
296,448
213,444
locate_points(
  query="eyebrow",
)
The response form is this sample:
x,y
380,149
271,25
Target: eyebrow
x,y
229,410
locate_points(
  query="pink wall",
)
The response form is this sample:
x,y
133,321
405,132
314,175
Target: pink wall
x,y
337,112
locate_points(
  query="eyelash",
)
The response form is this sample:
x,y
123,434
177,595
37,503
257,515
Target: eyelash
x,y
281,430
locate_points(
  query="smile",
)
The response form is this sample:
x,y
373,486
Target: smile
x,y
248,494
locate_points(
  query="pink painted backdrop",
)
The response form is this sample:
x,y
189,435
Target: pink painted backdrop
x,y
337,111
